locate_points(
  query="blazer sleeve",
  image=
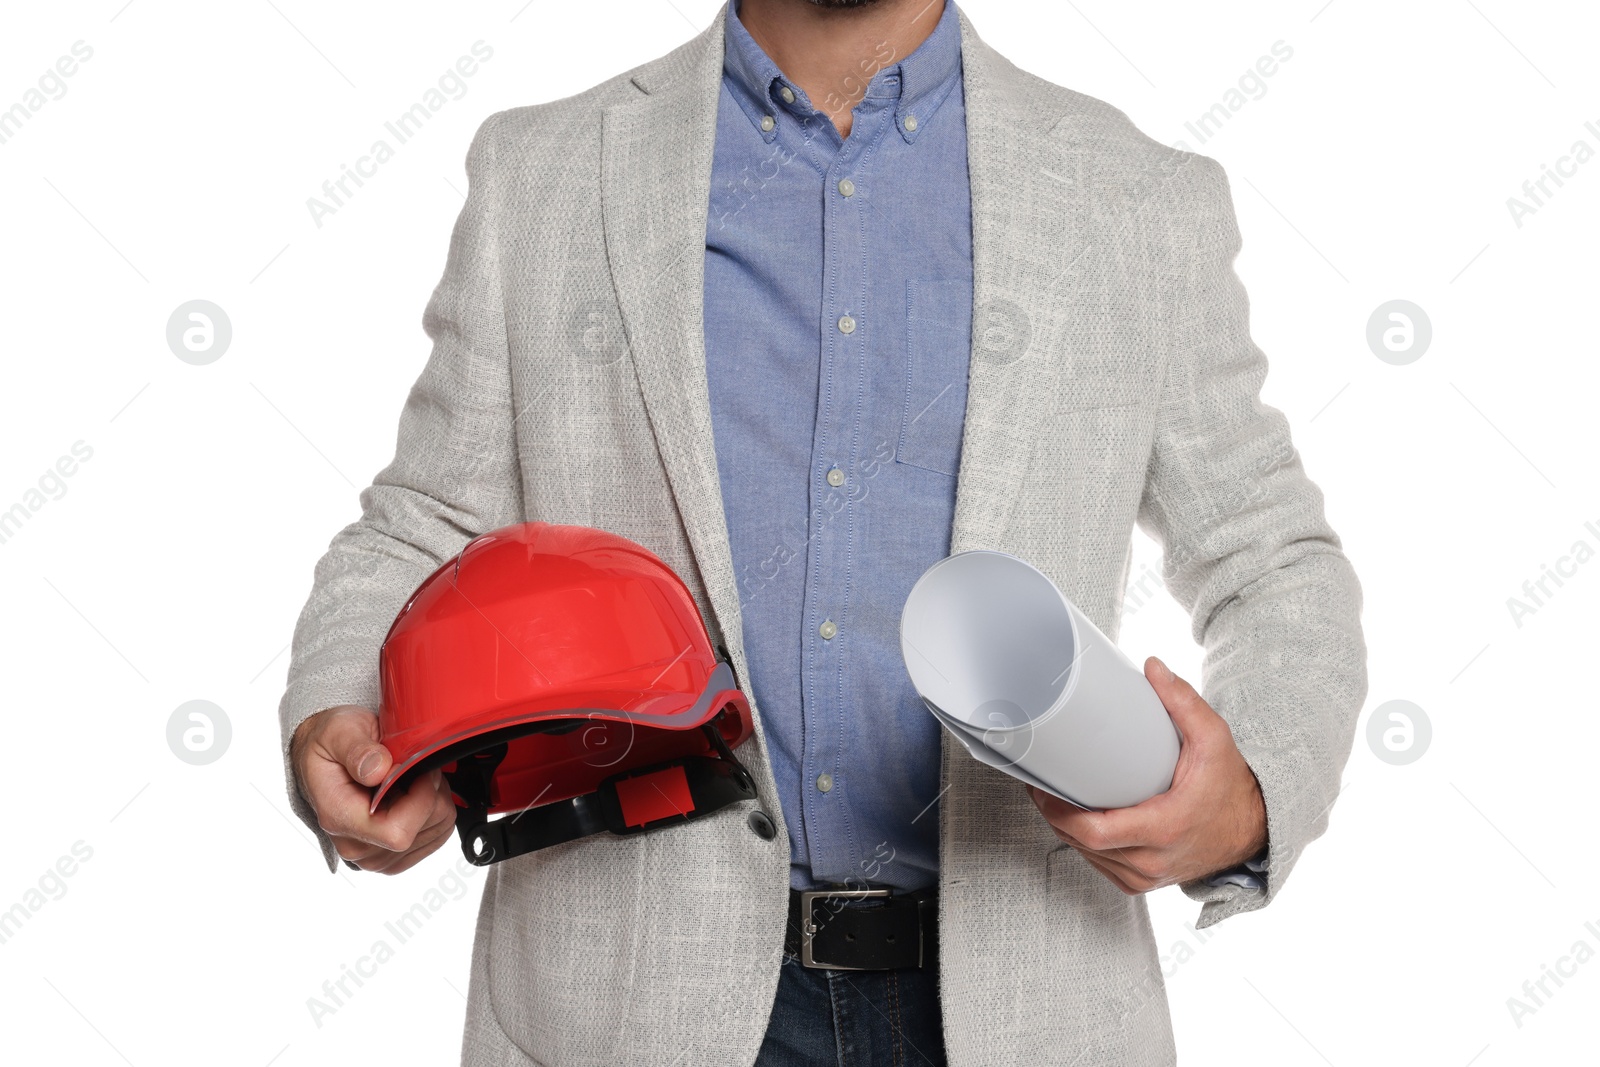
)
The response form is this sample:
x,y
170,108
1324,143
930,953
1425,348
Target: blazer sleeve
x,y
1249,554
454,476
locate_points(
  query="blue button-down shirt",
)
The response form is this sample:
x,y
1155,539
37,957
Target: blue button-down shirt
x,y
838,319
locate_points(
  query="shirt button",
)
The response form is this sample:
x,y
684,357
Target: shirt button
x,y
836,476
787,94
911,123
847,324
829,630
825,782
847,187
767,123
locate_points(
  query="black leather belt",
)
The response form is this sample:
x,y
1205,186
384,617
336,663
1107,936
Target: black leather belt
x,y
863,929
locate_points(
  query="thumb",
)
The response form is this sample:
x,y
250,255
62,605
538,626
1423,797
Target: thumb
x,y
352,740
1188,709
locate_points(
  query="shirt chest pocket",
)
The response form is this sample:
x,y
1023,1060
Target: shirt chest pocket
x,y
936,354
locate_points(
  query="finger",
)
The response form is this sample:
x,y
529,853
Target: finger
x,y
378,859
1142,824
427,840
351,739
397,823
1113,874
425,846
407,860
1137,861
1052,807
344,809
342,806
443,813
359,852
1149,865
1107,863
1189,712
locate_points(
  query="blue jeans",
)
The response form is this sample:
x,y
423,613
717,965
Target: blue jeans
x,y
827,1018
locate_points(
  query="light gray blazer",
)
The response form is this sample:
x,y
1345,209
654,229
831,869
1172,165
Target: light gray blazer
x,y
1113,381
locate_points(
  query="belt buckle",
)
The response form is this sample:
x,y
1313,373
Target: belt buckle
x,y
808,928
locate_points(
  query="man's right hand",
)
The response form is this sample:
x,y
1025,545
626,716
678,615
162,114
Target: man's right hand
x,y
337,761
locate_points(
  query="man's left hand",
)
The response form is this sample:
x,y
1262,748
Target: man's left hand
x,y
1212,818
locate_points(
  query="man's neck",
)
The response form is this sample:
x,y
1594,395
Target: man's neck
x,y
833,52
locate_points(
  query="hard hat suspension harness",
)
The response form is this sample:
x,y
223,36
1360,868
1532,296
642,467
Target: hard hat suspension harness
x,y
639,799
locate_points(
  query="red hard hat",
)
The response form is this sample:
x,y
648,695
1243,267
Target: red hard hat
x,y
562,673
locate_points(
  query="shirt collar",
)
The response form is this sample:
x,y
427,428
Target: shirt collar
x,y
918,83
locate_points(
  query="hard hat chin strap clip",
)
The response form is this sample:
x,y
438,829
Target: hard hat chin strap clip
x,y
641,799
471,781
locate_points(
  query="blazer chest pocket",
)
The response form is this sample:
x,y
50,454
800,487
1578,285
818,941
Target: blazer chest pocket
x,y
937,351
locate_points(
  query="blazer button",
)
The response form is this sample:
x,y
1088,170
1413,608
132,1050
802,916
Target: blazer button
x,y
762,825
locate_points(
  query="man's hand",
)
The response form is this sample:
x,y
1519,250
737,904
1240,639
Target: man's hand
x,y
1212,817
337,760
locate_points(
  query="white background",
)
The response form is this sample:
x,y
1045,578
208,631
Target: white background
x,y
177,166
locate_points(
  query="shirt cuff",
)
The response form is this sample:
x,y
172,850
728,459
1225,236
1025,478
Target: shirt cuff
x,y
1251,874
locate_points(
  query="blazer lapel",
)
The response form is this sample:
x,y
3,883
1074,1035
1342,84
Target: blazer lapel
x,y
1028,230
655,186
